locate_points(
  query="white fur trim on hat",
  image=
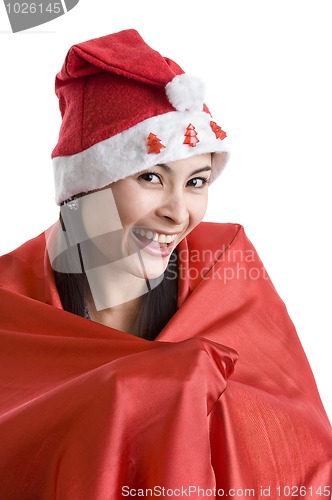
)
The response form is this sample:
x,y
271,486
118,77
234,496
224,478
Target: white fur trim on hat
x,y
186,92
127,153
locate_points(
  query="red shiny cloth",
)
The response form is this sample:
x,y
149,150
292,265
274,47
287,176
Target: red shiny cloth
x,y
224,397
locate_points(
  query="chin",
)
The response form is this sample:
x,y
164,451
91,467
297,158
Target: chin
x,y
151,271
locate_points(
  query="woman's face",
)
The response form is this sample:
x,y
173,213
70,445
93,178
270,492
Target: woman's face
x,y
138,221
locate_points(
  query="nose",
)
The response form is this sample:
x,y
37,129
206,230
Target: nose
x,y
174,207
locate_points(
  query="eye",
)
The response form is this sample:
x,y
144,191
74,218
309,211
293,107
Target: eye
x,y
198,182
150,177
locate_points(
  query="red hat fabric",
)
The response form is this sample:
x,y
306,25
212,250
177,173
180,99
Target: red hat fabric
x,y
126,108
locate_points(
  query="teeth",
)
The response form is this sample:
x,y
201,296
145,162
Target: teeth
x,y
160,237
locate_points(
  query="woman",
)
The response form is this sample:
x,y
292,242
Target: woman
x,y
91,408
150,213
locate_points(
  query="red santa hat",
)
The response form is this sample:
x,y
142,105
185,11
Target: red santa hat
x,y
126,108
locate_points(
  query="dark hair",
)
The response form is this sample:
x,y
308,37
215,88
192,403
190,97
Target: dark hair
x,y
156,307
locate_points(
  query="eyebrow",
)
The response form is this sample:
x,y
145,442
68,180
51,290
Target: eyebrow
x,y
168,169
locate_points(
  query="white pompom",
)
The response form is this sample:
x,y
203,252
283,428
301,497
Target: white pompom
x,y
186,93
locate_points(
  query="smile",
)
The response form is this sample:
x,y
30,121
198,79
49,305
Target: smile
x,y
154,236
157,244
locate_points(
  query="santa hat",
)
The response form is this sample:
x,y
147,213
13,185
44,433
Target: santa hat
x,y
124,109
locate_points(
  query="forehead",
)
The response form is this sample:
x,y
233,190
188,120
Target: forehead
x,y
188,165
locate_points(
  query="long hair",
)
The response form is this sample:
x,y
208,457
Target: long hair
x,y
156,307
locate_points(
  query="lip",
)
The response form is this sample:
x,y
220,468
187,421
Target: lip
x,y
153,248
159,231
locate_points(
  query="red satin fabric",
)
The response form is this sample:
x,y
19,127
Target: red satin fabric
x,y
224,397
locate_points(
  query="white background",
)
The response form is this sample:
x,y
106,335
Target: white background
x,y
267,68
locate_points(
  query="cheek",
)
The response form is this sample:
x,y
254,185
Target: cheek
x,y
131,210
100,214
198,208
132,204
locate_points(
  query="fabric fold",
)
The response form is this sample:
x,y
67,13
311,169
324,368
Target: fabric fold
x,y
224,397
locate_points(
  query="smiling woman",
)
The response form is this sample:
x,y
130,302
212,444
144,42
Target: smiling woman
x,y
154,211
142,349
